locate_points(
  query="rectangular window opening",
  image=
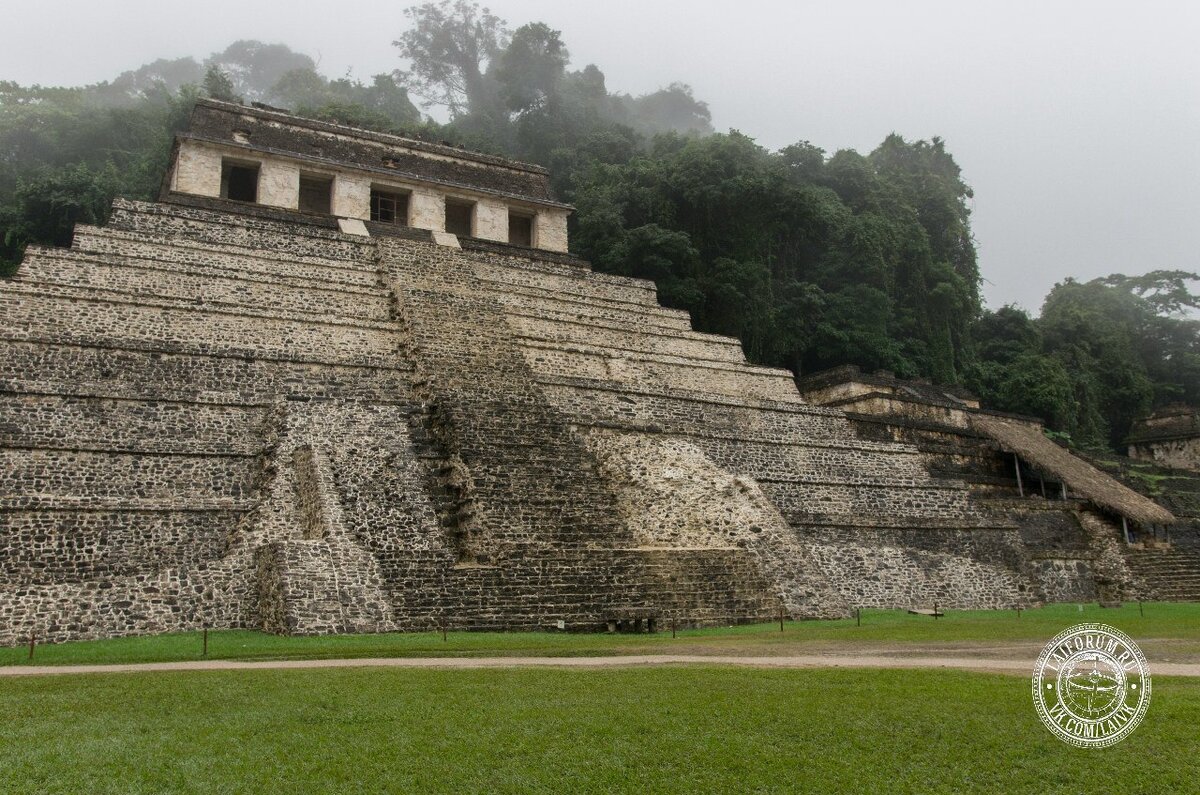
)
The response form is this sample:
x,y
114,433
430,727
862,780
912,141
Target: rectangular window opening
x,y
520,229
389,207
316,194
239,181
460,216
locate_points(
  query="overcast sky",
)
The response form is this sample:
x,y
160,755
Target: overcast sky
x,y
1077,124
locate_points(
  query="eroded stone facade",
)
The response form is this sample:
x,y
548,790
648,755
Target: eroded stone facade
x,y
284,148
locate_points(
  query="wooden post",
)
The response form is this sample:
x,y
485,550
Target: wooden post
x,y
443,630
858,616
935,611
205,652
672,626
1017,466
1064,490
32,643
1018,612
1125,528
1042,481
1141,612
781,616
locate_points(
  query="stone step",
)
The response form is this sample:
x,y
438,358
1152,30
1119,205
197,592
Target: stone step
x,y
154,373
657,406
546,303
859,502
81,316
148,425
69,546
31,478
149,279
802,463
230,229
573,283
521,271
168,250
579,361
763,454
682,344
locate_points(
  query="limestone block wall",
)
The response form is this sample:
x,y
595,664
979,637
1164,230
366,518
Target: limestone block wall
x,y
48,547
1066,579
138,276
241,260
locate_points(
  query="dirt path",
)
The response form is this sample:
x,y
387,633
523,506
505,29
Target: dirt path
x,y
1021,667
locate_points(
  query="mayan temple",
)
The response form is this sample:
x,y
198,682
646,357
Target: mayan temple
x,y
340,381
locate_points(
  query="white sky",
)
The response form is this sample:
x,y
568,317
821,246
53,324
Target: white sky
x,y
1077,123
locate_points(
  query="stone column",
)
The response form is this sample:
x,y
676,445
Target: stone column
x,y
279,184
197,170
491,220
550,230
352,197
427,210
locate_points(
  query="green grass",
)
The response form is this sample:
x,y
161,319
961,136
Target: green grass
x,y
678,730
879,628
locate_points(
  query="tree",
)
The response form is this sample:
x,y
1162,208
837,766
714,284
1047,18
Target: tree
x,y
253,67
531,68
382,105
449,49
155,80
217,85
670,109
46,206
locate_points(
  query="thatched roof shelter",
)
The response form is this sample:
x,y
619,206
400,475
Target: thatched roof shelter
x,y
1029,442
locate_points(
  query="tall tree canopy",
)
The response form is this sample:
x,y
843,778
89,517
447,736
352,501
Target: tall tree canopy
x,y
450,47
1102,354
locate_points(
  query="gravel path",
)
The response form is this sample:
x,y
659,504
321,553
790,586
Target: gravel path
x,y
1023,667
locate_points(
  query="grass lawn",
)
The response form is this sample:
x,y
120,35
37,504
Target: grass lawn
x,y
879,628
681,729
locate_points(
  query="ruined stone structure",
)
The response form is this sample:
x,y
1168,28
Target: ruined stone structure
x,y
1089,535
309,392
1169,437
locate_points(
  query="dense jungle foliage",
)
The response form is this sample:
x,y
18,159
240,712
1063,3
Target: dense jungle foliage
x,y
812,259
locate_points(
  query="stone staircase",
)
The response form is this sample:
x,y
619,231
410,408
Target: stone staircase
x,y
1170,573
521,492
615,364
